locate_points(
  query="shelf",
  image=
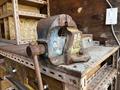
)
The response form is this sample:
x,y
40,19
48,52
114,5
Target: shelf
x,y
26,14
6,15
102,79
34,3
60,74
32,15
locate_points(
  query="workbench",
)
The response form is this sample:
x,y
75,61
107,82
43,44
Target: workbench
x,y
91,75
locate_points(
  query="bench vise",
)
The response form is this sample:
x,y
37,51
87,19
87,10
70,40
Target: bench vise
x,y
60,39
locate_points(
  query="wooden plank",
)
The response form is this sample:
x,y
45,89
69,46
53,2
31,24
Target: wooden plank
x,y
16,20
35,3
27,32
6,28
23,7
48,7
33,15
5,20
6,15
27,2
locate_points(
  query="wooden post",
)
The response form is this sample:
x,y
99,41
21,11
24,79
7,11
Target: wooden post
x,y
48,8
0,32
16,20
6,30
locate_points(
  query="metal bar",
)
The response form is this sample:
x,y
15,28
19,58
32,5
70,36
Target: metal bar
x,y
17,84
8,41
46,70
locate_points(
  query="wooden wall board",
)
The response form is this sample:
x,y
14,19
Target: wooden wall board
x,y
22,8
27,29
0,11
6,28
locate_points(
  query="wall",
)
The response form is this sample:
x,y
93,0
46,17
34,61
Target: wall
x,y
92,17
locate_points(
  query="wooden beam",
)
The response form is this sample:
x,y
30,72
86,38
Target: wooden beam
x,y
6,15
35,3
5,20
33,15
48,7
16,20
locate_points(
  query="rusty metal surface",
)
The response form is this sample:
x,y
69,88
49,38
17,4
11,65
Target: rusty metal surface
x,y
38,72
98,55
21,49
63,75
70,74
44,25
102,81
62,38
32,50
61,35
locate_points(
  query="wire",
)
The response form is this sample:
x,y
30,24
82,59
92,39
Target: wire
x,y
113,31
112,26
109,3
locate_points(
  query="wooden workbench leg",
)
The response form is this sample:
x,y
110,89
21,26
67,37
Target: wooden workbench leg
x,y
69,87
